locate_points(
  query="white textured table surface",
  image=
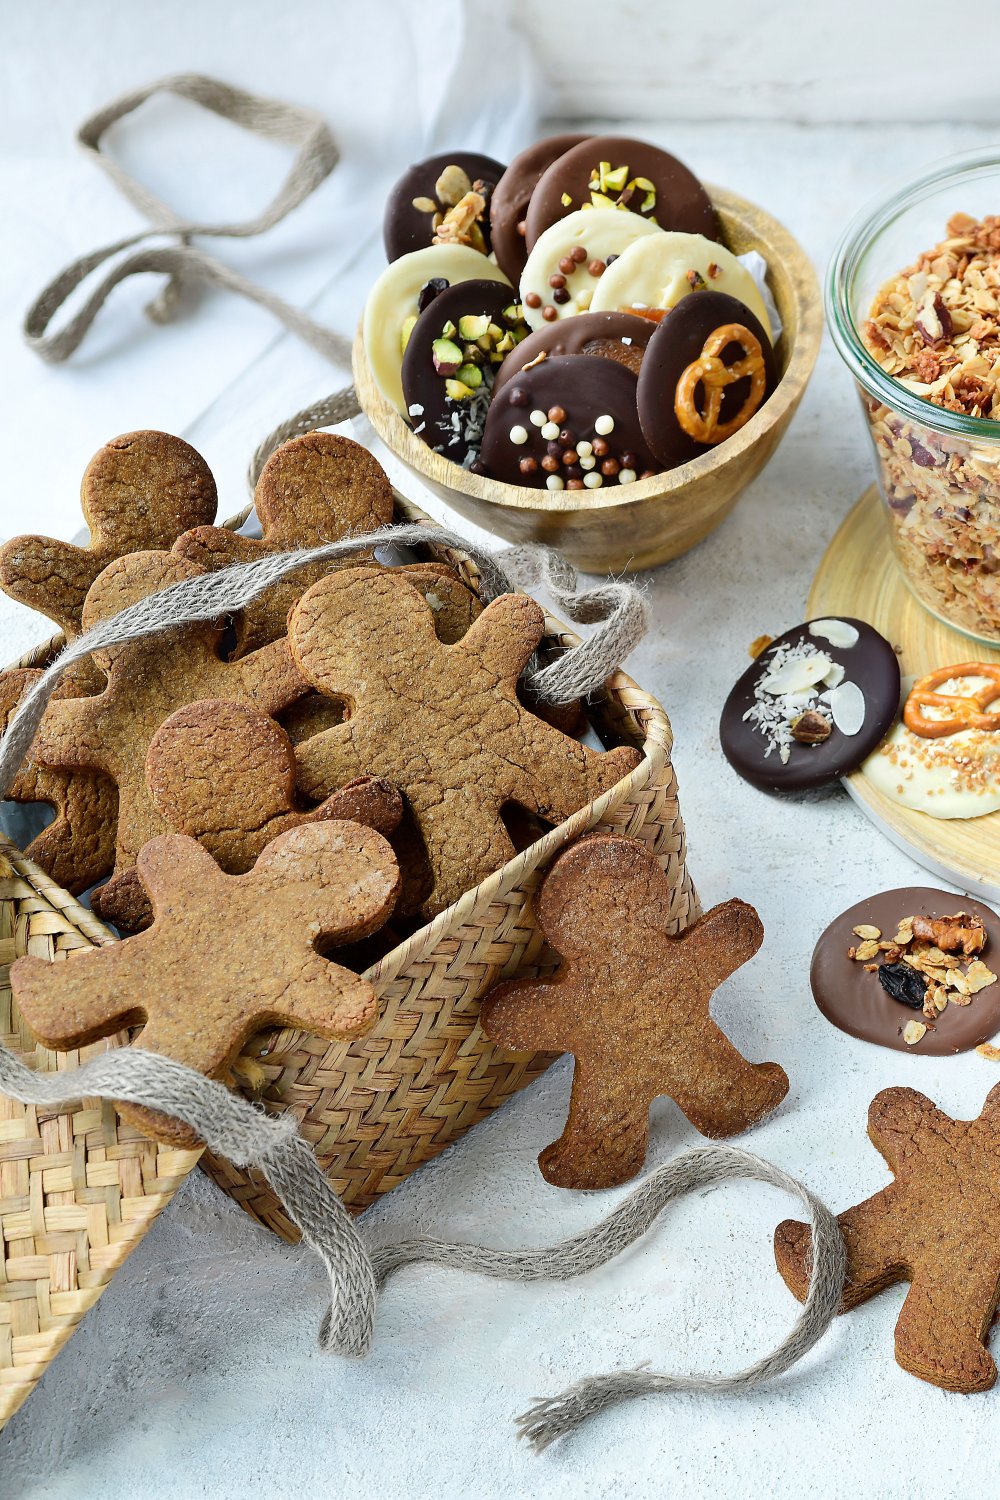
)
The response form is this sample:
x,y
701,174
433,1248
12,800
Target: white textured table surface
x,y
198,1372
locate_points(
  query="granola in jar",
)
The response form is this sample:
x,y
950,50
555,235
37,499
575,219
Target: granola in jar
x,y
935,329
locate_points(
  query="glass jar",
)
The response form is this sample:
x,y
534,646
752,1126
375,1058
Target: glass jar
x,y
938,470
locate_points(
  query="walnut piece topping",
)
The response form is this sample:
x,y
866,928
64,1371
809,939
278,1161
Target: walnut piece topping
x,y
958,934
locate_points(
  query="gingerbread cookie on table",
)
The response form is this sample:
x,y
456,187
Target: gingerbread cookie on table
x,y
194,981
631,1003
616,172
147,680
78,847
313,489
443,723
936,1226
567,423
445,199
139,492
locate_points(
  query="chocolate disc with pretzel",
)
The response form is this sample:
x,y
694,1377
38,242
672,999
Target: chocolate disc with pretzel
x,y
708,368
567,424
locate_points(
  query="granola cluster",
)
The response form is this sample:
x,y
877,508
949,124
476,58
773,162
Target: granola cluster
x,y
928,964
936,329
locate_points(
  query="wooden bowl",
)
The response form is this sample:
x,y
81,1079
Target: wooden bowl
x,y
654,519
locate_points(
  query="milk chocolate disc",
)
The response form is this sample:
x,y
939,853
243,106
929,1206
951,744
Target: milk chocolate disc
x,y
509,204
414,201
666,400
857,1002
850,691
568,423
610,335
668,193
450,360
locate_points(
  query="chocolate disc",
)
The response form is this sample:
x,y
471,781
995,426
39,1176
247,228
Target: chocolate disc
x,y
449,364
568,423
415,200
666,192
509,204
849,691
857,1002
610,335
667,400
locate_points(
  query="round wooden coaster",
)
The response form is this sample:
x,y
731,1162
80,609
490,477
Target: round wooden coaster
x,y
859,576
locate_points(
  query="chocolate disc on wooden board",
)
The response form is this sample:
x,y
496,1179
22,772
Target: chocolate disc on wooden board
x,y
812,705
449,362
855,1000
625,173
568,423
609,335
509,204
689,397
415,200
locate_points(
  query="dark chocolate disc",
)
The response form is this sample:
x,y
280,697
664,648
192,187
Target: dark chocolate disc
x,y
674,199
756,731
676,343
857,1001
542,419
450,361
511,196
414,201
612,335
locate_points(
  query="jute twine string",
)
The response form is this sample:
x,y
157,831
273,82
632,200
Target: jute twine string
x,y
183,263
237,1129
621,607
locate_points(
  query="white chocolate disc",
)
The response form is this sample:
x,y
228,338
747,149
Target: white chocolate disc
x,y
600,232
658,272
393,299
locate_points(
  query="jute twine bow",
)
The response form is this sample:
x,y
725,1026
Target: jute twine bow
x,y
235,1128
183,263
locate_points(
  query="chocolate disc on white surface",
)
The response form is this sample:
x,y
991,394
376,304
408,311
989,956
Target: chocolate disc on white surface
x,y
812,705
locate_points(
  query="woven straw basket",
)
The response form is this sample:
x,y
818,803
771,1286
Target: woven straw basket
x,y
78,1188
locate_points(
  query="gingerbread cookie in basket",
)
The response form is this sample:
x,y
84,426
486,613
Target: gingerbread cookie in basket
x,y
147,680
443,723
936,1226
226,955
631,1003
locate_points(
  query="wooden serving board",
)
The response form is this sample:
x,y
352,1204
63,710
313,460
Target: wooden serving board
x,y
859,576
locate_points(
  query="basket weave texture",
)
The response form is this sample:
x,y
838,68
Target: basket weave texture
x,y
78,1188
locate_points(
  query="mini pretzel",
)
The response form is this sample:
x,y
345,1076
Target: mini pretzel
x,y
965,711
709,371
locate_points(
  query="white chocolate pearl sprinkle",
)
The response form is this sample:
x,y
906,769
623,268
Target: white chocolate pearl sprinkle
x,y
593,481
585,449
519,435
550,431
587,461
538,418
604,425
626,476
554,482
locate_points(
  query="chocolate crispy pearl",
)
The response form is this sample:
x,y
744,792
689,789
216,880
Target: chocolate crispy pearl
x,y
424,387
681,201
405,227
676,343
870,662
535,427
509,204
598,333
855,1001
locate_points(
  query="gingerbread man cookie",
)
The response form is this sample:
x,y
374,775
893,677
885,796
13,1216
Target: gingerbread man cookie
x,y
147,680
314,489
443,723
195,983
139,491
78,847
631,1003
937,1227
